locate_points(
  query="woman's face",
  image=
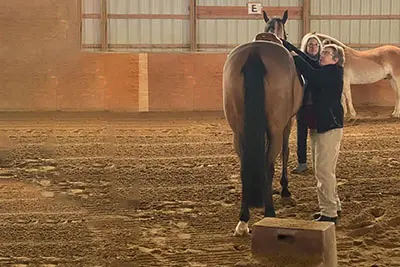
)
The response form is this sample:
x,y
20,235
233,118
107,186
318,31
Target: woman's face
x,y
312,47
327,57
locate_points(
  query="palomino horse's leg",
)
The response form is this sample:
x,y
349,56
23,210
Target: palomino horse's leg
x,y
236,144
395,83
344,105
347,93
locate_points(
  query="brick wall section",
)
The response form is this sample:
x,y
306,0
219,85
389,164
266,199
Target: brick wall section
x,y
121,73
37,39
100,82
185,81
194,82
80,88
208,89
42,68
170,82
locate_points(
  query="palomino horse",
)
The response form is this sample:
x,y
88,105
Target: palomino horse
x,y
363,67
261,93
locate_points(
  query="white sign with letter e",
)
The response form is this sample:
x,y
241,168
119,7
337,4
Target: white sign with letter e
x,y
254,8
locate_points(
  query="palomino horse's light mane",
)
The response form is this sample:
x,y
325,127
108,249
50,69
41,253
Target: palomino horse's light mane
x,y
336,41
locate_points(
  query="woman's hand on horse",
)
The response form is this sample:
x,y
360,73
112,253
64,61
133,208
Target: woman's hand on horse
x,y
293,53
287,45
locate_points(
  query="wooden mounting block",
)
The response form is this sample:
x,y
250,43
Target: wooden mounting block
x,y
290,242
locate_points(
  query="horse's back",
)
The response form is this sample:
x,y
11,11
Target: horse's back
x,y
276,58
364,67
384,52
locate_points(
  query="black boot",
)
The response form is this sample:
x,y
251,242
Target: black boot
x,y
324,218
318,214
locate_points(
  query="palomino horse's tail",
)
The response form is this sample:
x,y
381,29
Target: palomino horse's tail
x,y
252,142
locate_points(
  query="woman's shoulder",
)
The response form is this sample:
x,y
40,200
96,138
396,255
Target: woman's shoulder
x,y
332,74
334,67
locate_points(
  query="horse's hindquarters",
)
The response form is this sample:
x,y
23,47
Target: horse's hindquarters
x,y
283,93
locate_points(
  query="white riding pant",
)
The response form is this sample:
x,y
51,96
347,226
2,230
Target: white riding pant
x,y
325,151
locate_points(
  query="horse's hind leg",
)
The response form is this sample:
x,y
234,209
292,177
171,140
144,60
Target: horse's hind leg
x,y
285,158
285,193
344,105
242,228
274,147
395,83
269,210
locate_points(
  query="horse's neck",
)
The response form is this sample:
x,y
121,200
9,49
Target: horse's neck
x,y
348,51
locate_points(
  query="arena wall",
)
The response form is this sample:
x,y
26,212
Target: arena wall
x,y
43,68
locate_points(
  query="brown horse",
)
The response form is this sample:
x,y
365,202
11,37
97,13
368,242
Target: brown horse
x,y
261,93
369,66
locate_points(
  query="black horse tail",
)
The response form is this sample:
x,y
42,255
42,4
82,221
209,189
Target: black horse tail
x,y
252,142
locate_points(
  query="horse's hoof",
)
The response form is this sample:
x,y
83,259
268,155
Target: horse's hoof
x,y
275,192
352,117
354,120
396,114
242,229
288,201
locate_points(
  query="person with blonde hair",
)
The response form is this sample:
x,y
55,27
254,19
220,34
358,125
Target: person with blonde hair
x,y
327,81
311,46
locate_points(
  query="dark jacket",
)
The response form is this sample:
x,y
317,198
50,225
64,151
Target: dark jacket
x,y
314,62
326,83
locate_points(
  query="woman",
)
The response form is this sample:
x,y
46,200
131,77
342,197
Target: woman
x,y
327,81
312,48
